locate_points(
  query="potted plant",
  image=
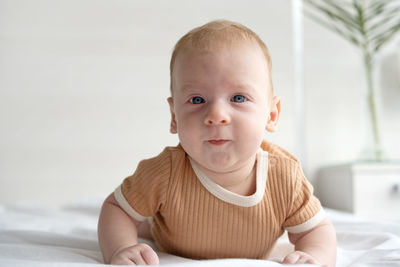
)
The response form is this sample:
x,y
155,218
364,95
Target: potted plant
x,y
369,25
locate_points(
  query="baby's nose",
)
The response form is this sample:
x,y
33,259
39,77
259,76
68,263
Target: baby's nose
x,y
216,115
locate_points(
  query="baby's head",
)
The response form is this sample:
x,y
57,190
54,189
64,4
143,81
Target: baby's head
x,y
221,95
216,35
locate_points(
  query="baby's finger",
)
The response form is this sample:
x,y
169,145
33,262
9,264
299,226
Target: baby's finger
x,y
306,259
138,261
137,258
149,256
292,258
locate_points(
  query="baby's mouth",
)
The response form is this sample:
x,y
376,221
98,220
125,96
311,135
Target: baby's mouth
x,y
218,142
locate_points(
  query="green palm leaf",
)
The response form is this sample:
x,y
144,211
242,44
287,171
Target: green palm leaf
x,y
369,24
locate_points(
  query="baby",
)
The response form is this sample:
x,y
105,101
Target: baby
x,y
224,191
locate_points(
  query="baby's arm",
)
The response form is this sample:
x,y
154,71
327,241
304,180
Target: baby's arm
x,y
317,246
118,233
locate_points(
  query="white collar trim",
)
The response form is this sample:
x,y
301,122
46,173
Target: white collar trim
x,y
231,197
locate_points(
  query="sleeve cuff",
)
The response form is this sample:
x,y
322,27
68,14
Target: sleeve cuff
x,y
123,203
308,225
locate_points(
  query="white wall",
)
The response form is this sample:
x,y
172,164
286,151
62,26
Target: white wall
x,y
83,88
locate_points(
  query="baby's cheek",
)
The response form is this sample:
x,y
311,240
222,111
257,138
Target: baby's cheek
x,y
255,126
188,134
255,135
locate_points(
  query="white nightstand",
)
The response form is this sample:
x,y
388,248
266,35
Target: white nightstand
x,y
369,190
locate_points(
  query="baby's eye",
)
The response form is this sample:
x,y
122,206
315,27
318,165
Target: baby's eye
x,y
238,99
197,100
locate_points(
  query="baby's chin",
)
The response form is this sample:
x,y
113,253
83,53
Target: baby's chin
x,y
220,163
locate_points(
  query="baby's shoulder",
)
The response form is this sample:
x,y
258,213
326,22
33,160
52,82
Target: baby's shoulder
x,y
284,169
163,161
174,153
276,152
169,152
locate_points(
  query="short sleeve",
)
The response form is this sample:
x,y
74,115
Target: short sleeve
x,y
143,194
305,210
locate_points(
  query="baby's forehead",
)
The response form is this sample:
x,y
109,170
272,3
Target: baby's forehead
x,y
237,50
218,43
235,67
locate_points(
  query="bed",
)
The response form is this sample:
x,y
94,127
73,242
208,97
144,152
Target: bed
x,y
37,236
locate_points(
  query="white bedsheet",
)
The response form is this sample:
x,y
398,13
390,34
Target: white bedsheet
x,y
37,236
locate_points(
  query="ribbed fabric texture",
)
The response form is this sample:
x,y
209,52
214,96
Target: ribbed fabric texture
x,y
189,221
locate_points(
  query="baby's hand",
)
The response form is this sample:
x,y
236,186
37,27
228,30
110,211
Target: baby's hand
x,y
139,254
299,257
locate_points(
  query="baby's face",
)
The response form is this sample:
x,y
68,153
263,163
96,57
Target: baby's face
x,y
220,105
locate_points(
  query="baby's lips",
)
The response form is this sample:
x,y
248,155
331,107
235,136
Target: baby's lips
x,y
218,142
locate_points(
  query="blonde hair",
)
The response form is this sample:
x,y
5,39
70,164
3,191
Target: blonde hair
x,y
217,34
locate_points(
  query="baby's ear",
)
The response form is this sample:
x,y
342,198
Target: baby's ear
x,y
275,111
173,128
